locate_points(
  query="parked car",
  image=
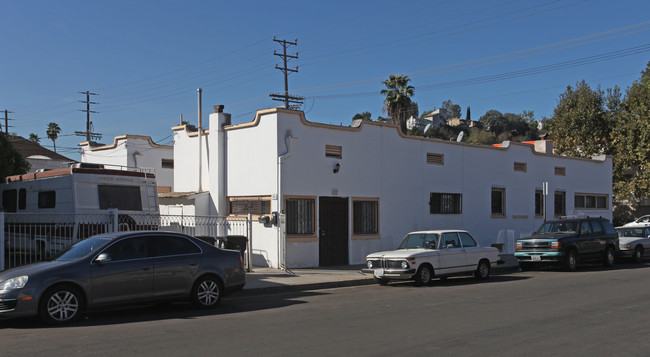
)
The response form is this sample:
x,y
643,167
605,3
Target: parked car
x,y
634,239
569,241
119,269
425,255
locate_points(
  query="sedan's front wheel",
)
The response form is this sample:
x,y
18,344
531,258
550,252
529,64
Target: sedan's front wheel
x,y
423,275
60,304
207,292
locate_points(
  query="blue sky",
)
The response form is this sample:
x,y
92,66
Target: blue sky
x,y
146,59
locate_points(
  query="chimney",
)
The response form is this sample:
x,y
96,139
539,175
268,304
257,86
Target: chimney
x,y
218,108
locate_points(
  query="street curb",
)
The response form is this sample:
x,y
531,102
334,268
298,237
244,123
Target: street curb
x,y
335,284
304,287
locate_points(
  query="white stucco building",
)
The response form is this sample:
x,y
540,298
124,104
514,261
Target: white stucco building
x,y
134,151
343,192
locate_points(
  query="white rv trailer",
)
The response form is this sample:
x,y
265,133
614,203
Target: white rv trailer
x,y
50,209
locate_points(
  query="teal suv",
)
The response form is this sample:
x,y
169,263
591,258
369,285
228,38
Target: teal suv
x,y
569,241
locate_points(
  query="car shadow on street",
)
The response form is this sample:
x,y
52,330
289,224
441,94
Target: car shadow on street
x,y
460,281
168,311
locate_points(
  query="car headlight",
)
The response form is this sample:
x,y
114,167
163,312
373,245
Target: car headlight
x,y
404,264
369,264
14,283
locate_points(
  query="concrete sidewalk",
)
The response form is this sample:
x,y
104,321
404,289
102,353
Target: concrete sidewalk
x,y
270,280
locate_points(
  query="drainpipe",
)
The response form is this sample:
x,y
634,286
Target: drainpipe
x,y
200,153
282,242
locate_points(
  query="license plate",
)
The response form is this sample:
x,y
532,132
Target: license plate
x,y
379,272
536,258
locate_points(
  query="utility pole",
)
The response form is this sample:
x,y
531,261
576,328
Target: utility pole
x,y
285,97
7,121
88,133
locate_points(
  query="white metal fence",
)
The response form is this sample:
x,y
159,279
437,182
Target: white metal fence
x,y
28,238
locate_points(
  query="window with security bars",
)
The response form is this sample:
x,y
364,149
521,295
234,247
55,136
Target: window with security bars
x,y
365,217
590,201
539,203
300,216
560,203
498,202
254,205
445,203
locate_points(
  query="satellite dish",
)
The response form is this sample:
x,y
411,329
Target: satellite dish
x,y
460,136
426,128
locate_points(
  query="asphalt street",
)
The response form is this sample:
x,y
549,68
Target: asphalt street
x,y
592,312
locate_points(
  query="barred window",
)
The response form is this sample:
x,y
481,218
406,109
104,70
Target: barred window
x,y
366,217
560,203
539,203
260,205
445,203
300,216
590,201
498,202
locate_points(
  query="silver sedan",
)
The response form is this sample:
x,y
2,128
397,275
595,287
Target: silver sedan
x,y
118,269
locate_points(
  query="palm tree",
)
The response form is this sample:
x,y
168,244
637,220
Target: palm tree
x,y
34,138
53,131
397,101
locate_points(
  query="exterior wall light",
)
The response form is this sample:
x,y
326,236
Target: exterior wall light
x,y
337,167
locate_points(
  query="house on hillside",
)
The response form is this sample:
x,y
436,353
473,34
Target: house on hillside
x,y
329,195
134,151
39,157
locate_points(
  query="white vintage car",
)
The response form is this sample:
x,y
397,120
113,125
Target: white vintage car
x,y
634,239
425,255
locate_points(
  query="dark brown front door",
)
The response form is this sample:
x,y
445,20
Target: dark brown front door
x,y
333,231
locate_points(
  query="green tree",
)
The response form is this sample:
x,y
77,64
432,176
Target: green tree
x,y
53,131
581,125
483,137
34,138
451,110
397,99
362,116
11,162
632,141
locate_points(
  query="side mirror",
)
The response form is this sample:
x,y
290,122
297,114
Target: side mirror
x,y
103,258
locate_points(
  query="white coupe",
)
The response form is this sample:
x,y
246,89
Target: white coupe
x,y
634,239
425,255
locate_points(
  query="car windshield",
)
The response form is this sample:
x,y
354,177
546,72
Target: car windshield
x,y
558,227
630,232
81,249
420,240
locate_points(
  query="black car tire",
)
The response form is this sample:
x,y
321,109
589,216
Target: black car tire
x,y
381,281
60,304
482,270
571,260
207,292
423,275
610,257
637,256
